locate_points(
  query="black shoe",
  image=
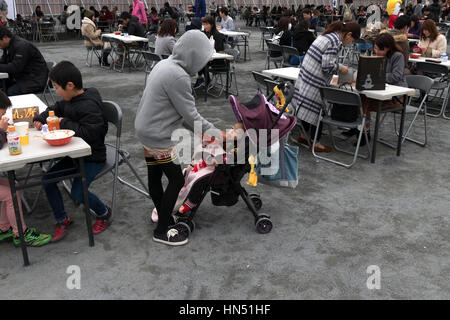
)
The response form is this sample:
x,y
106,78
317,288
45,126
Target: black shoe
x,y
200,82
106,64
176,236
350,133
363,139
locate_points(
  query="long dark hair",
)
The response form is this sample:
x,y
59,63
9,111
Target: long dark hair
x,y
283,24
385,40
349,27
210,20
414,19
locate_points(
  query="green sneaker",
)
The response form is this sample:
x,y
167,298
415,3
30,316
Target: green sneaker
x,y
33,239
6,235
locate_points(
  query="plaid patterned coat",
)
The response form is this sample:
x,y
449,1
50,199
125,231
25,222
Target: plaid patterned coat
x,y
318,66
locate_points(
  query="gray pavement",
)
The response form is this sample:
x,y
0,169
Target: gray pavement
x,y
393,214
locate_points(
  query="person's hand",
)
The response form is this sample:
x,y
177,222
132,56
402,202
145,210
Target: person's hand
x,y
120,26
343,69
409,35
37,125
4,123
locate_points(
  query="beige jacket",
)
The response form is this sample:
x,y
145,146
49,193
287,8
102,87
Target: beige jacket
x,y
89,30
437,46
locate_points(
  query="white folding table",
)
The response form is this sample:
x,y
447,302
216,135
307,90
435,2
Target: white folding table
x,y
390,92
37,151
244,35
126,40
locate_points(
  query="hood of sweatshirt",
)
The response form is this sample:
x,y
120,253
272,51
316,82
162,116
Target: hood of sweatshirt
x,y
192,51
88,21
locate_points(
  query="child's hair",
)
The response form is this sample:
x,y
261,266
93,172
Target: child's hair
x,y
65,72
5,103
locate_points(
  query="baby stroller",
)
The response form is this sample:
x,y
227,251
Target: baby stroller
x,y
224,180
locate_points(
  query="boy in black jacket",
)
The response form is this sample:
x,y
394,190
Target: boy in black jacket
x,y
81,111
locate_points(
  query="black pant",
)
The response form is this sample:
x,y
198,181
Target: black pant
x,y
311,129
164,200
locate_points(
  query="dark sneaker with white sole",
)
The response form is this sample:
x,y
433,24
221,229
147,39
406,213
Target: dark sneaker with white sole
x,y
175,236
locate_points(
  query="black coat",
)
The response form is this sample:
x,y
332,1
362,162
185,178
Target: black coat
x,y
303,40
286,38
25,65
219,40
84,115
134,27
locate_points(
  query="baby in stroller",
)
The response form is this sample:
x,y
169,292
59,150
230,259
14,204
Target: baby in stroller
x,y
214,167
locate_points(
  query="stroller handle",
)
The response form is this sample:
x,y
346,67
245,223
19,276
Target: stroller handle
x,y
287,88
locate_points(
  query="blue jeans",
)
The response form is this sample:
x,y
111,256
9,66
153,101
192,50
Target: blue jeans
x,y
54,195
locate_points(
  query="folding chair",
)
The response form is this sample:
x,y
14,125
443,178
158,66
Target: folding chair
x,y
48,86
264,31
115,156
287,52
117,51
232,71
274,49
440,75
150,59
260,79
91,51
335,97
424,85
242,41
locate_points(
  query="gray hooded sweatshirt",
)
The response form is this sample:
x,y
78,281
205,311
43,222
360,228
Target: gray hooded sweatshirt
x,y
167,101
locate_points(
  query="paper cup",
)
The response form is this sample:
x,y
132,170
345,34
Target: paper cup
x,y
21,128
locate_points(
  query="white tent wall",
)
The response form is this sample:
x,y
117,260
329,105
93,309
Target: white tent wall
x,y
55,7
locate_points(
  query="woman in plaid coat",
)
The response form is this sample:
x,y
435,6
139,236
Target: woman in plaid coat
x,y
319,65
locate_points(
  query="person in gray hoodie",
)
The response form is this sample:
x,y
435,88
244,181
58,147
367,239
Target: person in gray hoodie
x,y
166,105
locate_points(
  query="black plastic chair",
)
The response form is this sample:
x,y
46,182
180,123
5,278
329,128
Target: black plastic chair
x,y
287,52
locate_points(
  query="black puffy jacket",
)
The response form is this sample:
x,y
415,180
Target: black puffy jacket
x,y
134,27
24,64
84,115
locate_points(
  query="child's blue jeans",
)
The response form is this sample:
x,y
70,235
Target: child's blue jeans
x,y
54,195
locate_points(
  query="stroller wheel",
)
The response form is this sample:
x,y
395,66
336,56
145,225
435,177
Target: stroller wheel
x,y
263,224
257,202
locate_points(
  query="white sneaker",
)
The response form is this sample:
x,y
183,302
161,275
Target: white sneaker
x,y
154,215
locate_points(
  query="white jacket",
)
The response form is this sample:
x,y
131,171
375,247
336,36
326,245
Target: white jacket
x,y
438,46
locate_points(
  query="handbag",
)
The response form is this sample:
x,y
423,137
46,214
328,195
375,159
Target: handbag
x,y
286,166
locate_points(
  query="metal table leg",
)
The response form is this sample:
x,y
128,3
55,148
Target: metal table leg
x,y
86,202
375,134
402,122
12,185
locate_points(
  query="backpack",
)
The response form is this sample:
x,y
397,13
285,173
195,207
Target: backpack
x,y
348,15
175,14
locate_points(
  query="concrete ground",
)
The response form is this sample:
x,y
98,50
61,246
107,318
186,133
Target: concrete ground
x,y
393,214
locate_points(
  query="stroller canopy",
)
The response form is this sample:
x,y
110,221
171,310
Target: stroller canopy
x,y
261,114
